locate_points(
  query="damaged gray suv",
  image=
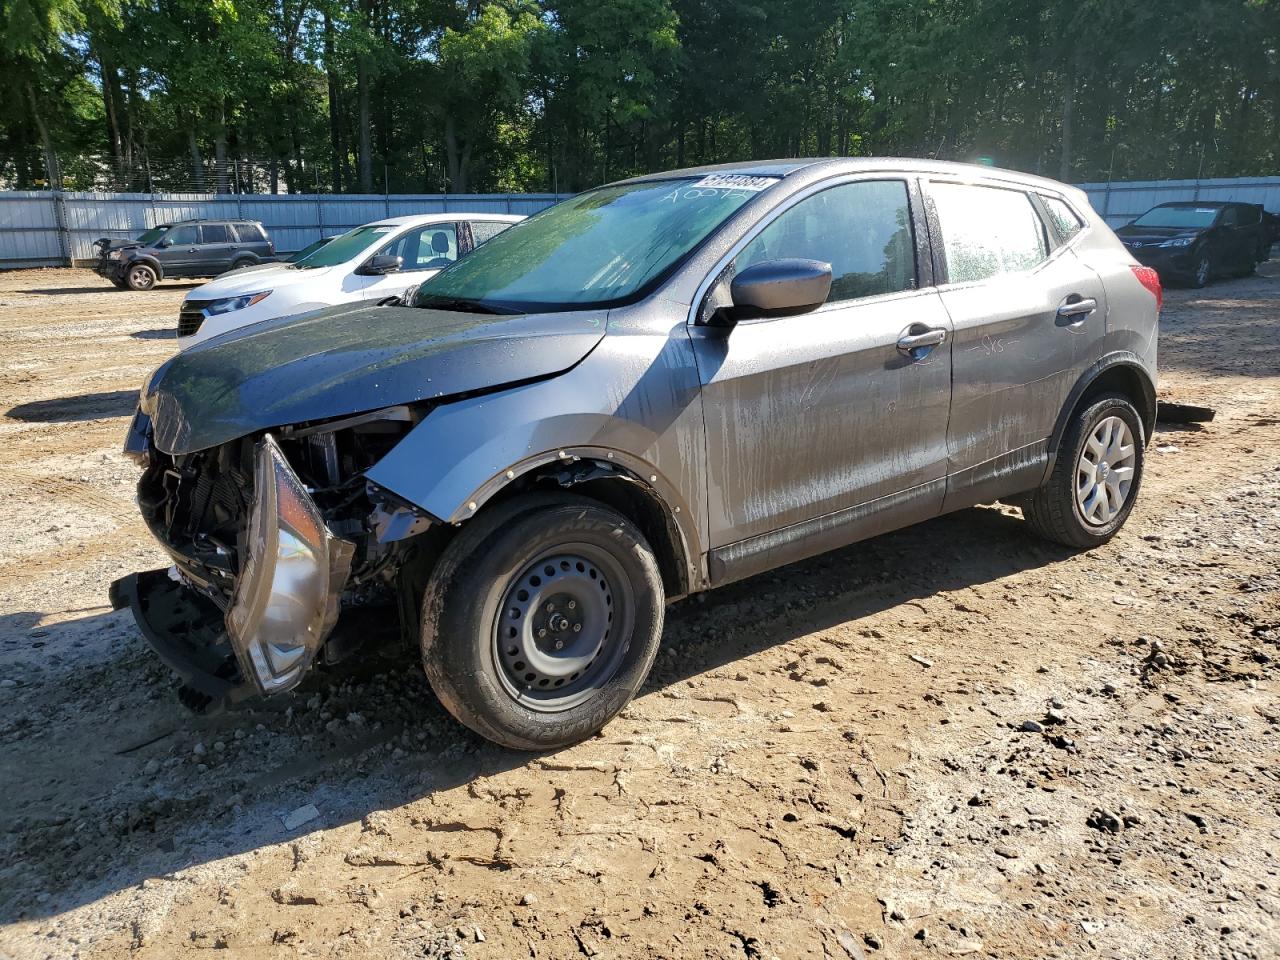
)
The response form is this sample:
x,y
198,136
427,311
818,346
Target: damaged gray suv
x,y
655,388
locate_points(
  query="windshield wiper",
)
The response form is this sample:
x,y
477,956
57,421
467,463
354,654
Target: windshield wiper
x,y
461,305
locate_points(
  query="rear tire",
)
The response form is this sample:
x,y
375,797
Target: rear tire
x,y
541,620
243,262
139,276
1095,479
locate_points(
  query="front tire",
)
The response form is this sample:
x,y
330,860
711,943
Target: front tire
x,y
541,620
139,276
1095,479
1203,271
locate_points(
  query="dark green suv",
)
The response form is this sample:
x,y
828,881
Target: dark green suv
x,y
188,248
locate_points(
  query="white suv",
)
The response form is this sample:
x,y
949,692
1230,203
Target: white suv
x,y
376,262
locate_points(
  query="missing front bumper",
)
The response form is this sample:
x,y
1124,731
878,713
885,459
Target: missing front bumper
x,y
287,595
284,605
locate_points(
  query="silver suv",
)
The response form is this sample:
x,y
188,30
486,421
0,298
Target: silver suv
x,y
652,389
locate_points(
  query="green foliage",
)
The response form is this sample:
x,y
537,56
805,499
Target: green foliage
x,y
464,95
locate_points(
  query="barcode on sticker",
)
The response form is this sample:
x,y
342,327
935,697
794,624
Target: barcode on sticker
x,y
735,181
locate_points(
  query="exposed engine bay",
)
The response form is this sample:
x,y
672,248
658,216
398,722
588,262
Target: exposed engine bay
x,y
272,535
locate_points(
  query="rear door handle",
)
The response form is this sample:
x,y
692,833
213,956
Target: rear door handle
x,y
1081,307
931,337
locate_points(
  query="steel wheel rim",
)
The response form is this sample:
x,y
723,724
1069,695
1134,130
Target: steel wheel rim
x,y
1202,270
563,627
1106,471
140,276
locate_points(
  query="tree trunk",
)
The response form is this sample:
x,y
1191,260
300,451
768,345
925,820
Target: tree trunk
x,y
220,149
457,160
366,144
335,115
52,171
1066,157
110,84
197,161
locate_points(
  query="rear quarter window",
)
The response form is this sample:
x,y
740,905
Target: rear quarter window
x,y
987,231
1064,221
250,233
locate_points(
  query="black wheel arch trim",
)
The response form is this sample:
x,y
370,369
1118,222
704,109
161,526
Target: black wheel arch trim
x,y
151,262
1121,359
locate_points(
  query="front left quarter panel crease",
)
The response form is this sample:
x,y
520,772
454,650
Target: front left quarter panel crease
x,y
633,404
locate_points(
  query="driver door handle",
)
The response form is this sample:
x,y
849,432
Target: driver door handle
x,y
1078,308
914,341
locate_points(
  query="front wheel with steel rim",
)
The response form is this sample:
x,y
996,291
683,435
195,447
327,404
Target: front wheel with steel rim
x,y
139,276
541,620
1095,477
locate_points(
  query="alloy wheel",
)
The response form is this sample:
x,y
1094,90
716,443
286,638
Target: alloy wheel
x,y
1104,474
141,278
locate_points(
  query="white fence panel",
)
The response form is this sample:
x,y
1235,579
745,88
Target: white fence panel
x,y
39,229
45,229
1121,202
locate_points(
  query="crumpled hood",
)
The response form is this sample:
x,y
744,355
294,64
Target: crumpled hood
x,y
107,243
350,359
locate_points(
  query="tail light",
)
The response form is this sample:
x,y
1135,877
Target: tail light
x,y
1151,280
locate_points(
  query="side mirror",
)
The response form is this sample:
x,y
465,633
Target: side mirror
x,y
776,288
166,242
381,264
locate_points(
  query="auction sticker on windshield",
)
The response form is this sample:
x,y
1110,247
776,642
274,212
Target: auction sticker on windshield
x,y
734,181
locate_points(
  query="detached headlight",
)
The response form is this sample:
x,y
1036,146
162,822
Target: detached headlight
x,y
228,304
1179,242
291,577
113,255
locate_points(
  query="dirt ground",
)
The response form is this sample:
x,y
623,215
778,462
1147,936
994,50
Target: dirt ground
x,y
953,740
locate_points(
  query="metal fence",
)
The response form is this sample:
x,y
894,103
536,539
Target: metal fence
x,y
38,228
1121,202
43,229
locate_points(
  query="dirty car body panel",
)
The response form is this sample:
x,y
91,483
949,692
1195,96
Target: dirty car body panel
x,y
300,467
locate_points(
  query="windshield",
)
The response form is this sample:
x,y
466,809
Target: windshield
x,y
343,248
306,251
596,249
151,236
1177,217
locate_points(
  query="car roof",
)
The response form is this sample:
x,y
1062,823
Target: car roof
x,y
835,165
185,223
444,217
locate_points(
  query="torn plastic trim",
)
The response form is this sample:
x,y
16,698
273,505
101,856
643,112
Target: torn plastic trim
x,y
186,631
286,598
393,517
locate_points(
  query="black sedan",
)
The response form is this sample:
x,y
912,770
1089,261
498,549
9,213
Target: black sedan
x,y
1195,241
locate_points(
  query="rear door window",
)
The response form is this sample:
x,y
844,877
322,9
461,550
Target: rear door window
x,y
216,233
482,230
862,229
987,231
